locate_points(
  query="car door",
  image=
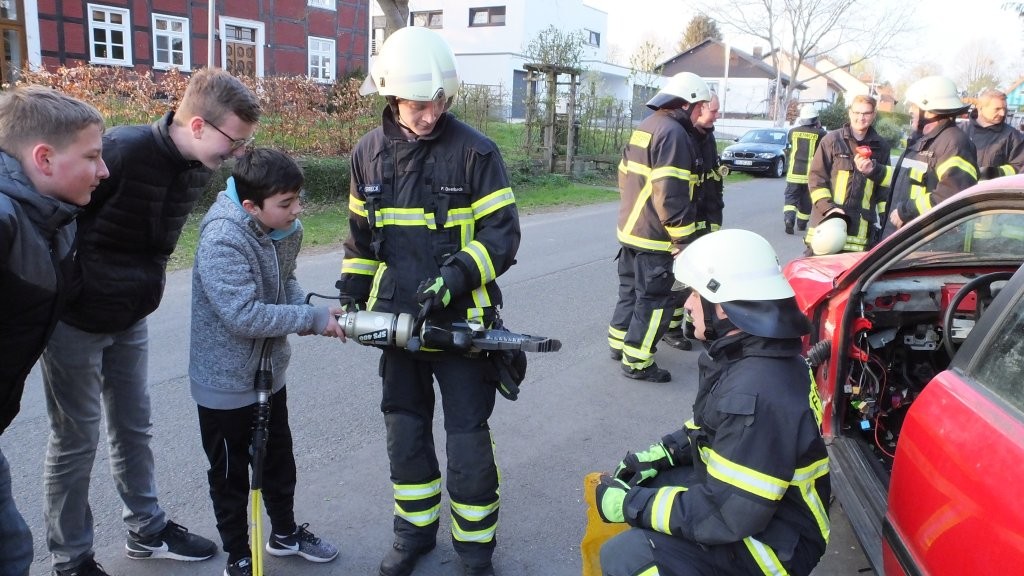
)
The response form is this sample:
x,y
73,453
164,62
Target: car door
x,y
955,498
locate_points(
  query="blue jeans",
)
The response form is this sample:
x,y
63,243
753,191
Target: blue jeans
x,y
85,374
15,537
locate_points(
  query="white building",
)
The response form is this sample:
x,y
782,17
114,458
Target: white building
x,y
490,42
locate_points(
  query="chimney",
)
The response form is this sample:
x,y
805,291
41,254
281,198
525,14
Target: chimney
x,y
758,52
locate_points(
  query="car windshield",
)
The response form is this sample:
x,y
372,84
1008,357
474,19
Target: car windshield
x,y
764,137
985,238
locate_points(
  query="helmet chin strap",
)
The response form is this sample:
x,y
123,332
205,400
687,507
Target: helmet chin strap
x,y
717,327
922,122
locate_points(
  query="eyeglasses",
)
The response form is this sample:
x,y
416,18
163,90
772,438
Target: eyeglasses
x,y
236,143
868,113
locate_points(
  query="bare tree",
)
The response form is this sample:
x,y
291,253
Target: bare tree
x,y
700,28
976,67
809,29
644,63
396,14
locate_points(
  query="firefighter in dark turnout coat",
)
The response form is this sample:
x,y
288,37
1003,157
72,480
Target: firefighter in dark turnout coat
x,y
743,487
1000,148
658,214
432,219
803,141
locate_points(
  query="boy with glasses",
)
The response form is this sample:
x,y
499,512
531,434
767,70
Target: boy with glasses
x,y
846,179
96,361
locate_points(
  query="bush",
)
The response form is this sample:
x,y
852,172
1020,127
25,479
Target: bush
x,y
834,115
892,132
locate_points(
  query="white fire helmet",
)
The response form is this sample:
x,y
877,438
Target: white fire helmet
x,y
936,94
414,63
808,114
732,264
829,236
684,87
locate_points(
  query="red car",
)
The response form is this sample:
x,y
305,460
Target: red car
x,y
918,354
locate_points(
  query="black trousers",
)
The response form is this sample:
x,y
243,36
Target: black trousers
x,y
227,437
645,307
798,203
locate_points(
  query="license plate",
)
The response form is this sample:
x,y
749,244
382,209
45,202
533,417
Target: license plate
x,y
744,162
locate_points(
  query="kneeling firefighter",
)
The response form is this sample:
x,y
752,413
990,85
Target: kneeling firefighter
x,y
433,224
743,488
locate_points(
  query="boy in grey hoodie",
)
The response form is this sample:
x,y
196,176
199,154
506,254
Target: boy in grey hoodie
x,y
244,291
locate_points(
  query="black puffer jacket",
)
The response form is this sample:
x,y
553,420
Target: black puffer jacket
x,y
130,227
36,239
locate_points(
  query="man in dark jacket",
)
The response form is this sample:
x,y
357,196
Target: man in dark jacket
x,y
743,487
1000,148
803,141
96,361
851,175
433,225
658,178
50,163
939,160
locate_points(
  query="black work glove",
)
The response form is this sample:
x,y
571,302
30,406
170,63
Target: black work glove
x,y
640,466
435,291
349,303
610,496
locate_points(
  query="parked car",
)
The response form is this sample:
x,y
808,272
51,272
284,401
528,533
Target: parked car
x,y
759,151
918,356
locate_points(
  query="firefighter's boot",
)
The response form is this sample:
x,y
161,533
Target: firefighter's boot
x,y
402,558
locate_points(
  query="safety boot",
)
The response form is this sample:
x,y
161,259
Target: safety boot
x,y
789,222
801,225
615,354
677,339
651,373
478,570
402,558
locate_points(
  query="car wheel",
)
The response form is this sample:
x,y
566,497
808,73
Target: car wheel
x,y
779,167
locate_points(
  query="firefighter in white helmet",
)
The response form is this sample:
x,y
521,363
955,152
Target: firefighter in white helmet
x,y
939,160
803,141
433,223
658,215
743,487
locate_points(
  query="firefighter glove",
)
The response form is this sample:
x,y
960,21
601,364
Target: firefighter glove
x,y
349,303
641,466
610,495
435,291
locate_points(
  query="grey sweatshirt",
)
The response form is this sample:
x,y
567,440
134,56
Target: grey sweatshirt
x,y
243,291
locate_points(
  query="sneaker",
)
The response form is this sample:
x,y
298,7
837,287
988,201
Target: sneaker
x,y
678,340
615,354
651,374
401,558
241,567
303,543
173,542
88,568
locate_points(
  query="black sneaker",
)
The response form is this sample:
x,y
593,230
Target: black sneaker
x,y
651,374
302,543
678,340
88,568
402,558
173,542
241,567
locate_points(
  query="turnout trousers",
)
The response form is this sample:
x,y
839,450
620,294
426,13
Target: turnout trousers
x,y
797,208
642,552
467,400
645,307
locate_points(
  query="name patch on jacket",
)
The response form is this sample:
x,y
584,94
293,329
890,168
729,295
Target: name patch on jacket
x,y
451,189
369,188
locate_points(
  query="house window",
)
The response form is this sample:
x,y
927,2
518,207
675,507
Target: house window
x,y
170,43
492,16
593,38
109,35
377,37
321,59
325,4
431,19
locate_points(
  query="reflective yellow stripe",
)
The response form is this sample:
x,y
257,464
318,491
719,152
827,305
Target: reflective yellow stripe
x,y
481,299
474,513
644,243
644,355
359,266
403,217
765,557
652,571
492,202
842,183
742,477
922,200
356,206
1007,170
820,194
459,217
887,178
956,162
484,266
867,194
677,232
375,285
417,491
804,480
421,519
661,508
461,535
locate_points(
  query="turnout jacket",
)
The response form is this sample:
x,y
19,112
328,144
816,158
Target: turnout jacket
x,y
36,250
710,184
244,291
419,208
803,141
760,466
1000,149
658,177
934,167
835,182
130,227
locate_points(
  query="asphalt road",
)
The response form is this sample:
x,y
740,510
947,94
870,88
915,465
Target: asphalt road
x,y
576,414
